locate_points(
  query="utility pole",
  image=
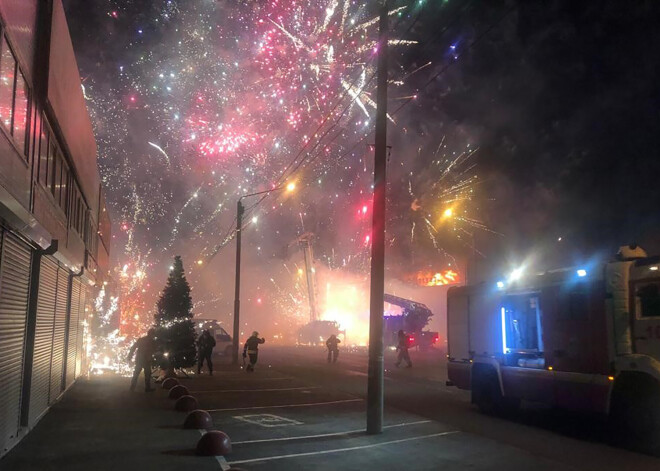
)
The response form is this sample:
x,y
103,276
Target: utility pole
x,y
237,292
375,384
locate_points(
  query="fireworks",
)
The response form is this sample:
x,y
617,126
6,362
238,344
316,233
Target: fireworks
x,y
210,101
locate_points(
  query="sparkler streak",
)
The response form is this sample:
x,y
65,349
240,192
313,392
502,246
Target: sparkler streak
x,y
167,157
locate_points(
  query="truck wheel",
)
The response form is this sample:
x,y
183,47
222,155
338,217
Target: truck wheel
x,y
486,392
635,413
487,395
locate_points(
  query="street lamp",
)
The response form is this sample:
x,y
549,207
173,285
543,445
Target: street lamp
x,y
237,293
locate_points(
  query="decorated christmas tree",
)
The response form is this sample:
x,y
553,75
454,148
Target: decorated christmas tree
x,y
174,326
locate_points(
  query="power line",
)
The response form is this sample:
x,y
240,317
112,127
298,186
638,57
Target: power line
x,y
229,234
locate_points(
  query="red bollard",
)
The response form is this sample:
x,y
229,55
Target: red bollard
x,y
214,443
169,383
198,419
186,403
177,391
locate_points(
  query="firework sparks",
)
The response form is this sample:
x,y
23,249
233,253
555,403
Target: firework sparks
x,y
156,146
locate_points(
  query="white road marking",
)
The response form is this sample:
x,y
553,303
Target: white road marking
x,y
254,390
224,466
267,420
342,450
285,406
252,378
223,463
322,435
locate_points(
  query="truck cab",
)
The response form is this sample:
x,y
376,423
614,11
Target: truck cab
x,y
581,338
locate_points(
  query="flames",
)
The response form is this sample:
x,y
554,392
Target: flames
x,y
428,278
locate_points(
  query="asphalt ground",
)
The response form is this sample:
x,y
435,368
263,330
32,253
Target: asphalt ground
x,y
298,412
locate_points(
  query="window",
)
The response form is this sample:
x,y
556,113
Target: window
x,y
521,324
43,155
14,98
79,217
34,131
74,207
647,298
57,185
7,76
21,104
52,167
64,189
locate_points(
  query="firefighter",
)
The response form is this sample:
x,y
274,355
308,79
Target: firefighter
x,y
205,344
145,347
251,349
402,348
333,348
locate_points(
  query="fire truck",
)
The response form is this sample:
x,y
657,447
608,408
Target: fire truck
x,y
413,318
584,338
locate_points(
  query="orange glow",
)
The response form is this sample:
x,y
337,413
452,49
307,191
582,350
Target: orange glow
x,y
428,278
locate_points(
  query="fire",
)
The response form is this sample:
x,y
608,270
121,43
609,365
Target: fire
x,y
428,278
345,300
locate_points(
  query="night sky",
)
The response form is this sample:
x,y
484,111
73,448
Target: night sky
x,y
534,122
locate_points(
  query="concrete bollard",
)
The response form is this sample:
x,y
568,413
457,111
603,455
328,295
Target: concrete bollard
x,y
198,419
186,403
214,443
169,383
177,391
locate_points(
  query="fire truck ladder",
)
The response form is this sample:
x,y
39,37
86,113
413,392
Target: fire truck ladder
x,y
305,243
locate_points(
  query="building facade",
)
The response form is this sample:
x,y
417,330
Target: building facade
x,y
54,227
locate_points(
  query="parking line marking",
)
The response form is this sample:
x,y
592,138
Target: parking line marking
x,y
285,406
224,466
254,390
252,379
267,420
322,435
341,450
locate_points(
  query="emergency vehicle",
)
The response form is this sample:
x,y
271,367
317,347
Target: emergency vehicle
x,y
584,338
413,318
223,342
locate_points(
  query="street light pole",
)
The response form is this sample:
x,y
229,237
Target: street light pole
x,y
237,292
375,383
240,210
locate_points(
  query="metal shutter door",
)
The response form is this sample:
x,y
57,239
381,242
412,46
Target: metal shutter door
x,y
59,334
72,339
15,259
43,339
80,346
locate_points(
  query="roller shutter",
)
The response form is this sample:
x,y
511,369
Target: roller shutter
x,y
80,346
72,340
15,260
59,334
43,339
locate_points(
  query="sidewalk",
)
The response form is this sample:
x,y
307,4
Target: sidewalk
x,y
275,422
100,425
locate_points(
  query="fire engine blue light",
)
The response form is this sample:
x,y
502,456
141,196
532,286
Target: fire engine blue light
x,y
581,272
500,285
503,330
